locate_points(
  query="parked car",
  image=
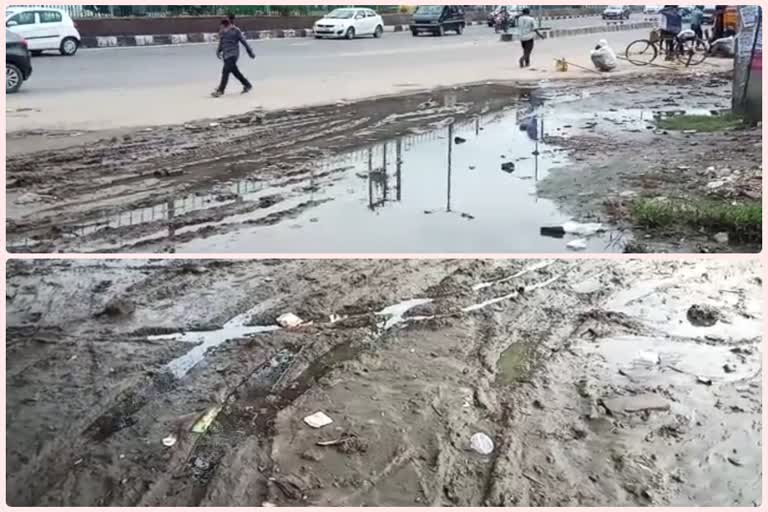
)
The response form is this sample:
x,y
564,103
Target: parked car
x,y
349,23
616,12
438,19
44,29
652,9
18,62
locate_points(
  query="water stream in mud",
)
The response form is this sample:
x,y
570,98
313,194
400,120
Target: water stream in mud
x,y
237,327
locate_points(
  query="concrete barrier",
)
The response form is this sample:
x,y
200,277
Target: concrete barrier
x,y
579,31
210,37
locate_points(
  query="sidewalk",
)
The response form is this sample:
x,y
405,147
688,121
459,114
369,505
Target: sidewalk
x,y
148,106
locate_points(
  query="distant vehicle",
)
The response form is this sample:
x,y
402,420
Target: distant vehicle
x,y
652,9
18,62
438,19
616,12
349,23
512,10
44,29
709,15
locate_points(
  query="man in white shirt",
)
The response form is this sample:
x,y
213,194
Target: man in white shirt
x,y
528,32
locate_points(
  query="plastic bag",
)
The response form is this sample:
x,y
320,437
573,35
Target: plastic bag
x,y
603,57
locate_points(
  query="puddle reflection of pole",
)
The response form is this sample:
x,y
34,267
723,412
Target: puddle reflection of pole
x,y
450,163
399,168
385,176
370,179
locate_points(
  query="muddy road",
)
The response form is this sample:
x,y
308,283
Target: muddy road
x,y
478,168
169,383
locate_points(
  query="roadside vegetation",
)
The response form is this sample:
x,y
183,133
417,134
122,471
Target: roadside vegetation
x,y
741,220
704,124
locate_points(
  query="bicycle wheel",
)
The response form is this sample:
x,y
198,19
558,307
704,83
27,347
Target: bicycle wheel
x,y
641,52
692,52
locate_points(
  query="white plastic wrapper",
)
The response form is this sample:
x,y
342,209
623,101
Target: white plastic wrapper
x,y
603,57
481,444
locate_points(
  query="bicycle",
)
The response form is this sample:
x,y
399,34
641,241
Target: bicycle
x,y
686,48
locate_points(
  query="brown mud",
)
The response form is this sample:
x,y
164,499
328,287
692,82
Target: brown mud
x,y
590,377
349,177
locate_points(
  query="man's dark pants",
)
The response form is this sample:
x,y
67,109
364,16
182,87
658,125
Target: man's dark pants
x,y
525,60
230,66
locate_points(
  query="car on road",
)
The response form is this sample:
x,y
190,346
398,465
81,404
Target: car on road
x,y
616,12
18,62
349,23
438,19
44,29
652,9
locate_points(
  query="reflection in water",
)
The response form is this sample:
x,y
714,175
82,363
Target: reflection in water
x,y
489,171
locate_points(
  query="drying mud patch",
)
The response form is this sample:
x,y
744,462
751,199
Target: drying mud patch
x,y
593,383
667,161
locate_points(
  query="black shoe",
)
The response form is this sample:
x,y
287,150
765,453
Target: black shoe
x,y
217,93
247,89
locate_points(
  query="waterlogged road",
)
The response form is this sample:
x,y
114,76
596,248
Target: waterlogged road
x,y
601,383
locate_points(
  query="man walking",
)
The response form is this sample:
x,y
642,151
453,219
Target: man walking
x,y
671,26
230,39
528,31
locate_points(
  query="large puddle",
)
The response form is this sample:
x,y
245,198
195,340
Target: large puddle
x,y
457,187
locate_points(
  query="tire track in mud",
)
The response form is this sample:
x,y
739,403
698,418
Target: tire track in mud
x,y
418,374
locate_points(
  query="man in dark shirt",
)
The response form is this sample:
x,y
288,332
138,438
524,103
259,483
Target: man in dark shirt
x,y
230,39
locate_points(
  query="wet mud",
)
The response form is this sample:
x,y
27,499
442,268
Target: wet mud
x,y
599,383
481,167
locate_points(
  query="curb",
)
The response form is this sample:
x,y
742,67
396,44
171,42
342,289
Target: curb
x,y
213,37
566,32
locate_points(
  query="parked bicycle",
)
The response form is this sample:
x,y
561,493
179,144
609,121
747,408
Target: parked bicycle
x,y
685,47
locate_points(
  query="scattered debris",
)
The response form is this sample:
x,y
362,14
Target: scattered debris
x,y
289,320
704,380
459,140
481,443
577,245
170,440
318,420
508,167
204,423
721,238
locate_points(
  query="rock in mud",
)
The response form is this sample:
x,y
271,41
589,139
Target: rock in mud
x,y
637,403
118,308
703,316
721,238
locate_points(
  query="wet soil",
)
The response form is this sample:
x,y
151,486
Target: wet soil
x,y
621,156
456,170
590,378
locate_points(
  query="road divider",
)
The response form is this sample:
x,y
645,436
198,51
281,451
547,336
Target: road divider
x,y
114,41
579,31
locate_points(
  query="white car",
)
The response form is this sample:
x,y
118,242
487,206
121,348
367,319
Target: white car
x,y
652,9
349,23
44,29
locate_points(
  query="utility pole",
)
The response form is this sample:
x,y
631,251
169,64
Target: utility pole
x,y
540,9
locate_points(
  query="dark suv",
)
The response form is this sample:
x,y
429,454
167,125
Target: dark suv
x,y
18,64
438,19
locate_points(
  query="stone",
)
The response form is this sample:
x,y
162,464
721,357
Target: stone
x,y
637,403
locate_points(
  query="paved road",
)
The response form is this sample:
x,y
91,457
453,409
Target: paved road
x,y
169,65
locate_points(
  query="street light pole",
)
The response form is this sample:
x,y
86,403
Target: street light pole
x,y
540,9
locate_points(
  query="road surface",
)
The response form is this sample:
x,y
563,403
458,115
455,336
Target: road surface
x,y
131,87
170,65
